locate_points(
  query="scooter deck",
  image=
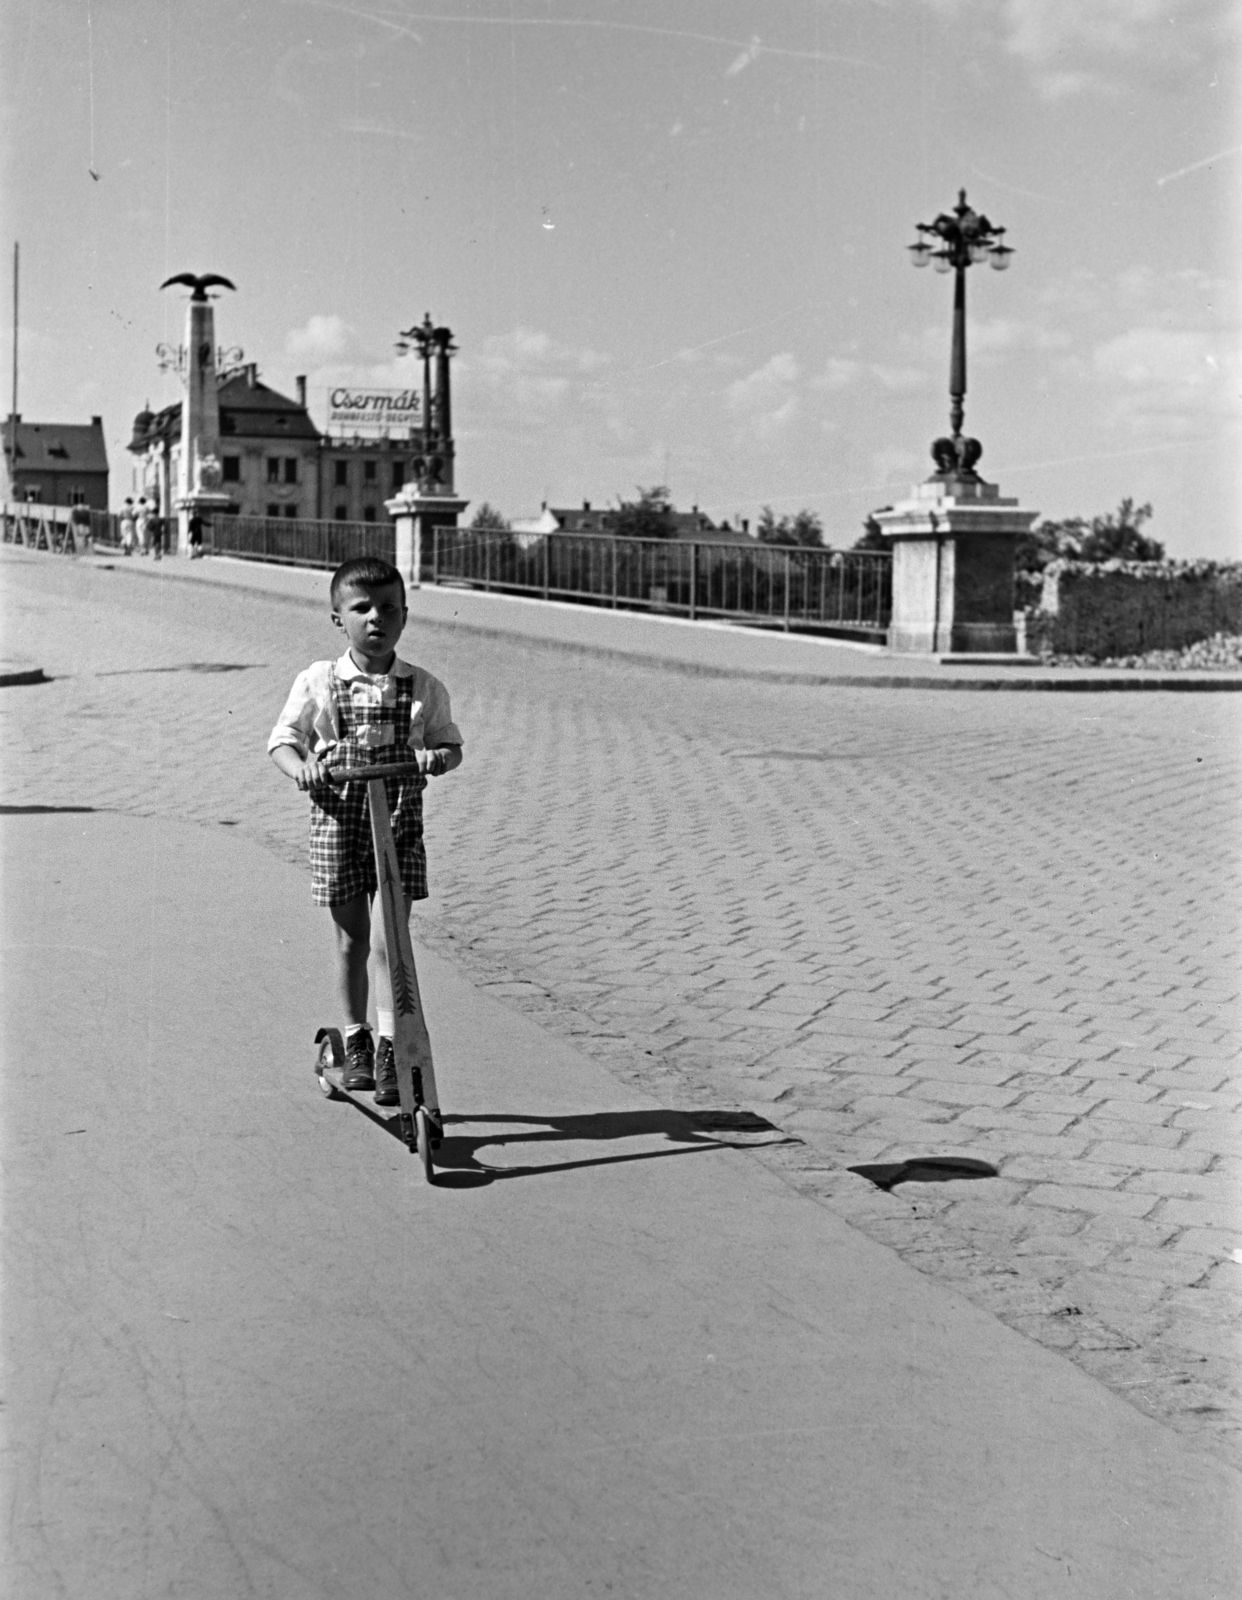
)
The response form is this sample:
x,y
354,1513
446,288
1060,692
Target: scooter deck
x,y
365,1098
419,1131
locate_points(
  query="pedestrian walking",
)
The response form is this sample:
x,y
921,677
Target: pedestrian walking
x,y
129,527
157,534
196,536
367,708
80,523
143,520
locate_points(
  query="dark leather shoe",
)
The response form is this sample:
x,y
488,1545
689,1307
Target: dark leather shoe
x,y
359,1061
386,1091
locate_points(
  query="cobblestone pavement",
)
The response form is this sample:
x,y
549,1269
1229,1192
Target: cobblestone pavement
x,y
898,923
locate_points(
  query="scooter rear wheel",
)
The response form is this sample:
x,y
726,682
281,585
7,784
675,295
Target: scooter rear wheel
x,y
330,1052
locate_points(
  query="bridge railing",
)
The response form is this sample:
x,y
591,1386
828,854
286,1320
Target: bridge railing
x,y
792,588
298,541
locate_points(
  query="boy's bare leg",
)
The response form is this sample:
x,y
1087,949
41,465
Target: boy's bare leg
x,y
352,919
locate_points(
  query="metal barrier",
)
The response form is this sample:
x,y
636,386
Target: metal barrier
x,y
792,588
56,529
299,542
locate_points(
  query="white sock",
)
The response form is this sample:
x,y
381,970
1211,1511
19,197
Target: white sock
x,y
383,1023
354,1027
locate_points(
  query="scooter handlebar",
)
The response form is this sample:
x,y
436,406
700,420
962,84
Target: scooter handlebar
x,y
389,769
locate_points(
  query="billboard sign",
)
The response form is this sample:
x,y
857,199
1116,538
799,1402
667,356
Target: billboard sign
x,y
356,409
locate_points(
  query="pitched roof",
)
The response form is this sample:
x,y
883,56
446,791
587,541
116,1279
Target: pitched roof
x,y
686,524
248,410
58,446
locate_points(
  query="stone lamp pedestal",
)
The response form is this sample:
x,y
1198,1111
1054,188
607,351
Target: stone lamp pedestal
x,y
415,515
953,551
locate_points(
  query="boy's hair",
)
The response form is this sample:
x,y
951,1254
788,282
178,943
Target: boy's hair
x,y
366,572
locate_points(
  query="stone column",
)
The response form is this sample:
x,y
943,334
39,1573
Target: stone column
x,y
953,554
198,469
415,515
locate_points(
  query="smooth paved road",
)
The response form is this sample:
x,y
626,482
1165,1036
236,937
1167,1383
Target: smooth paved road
x,y
897,923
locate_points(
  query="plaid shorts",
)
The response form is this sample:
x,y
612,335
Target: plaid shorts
x,y
342,853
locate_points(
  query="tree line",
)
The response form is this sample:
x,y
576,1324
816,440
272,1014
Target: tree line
x,y
1114,535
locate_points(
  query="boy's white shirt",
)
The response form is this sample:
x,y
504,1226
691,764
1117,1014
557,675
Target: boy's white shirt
x,y
308,724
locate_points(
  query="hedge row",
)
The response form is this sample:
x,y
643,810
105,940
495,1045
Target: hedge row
x,y
1125,608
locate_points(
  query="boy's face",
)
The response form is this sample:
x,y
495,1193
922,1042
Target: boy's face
x,y
371,619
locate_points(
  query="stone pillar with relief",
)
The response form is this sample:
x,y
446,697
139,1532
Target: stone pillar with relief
x,y
953,559
198,469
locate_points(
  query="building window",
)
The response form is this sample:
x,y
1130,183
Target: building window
x,y
368,471
291,511
273,469
273,511
340,473
33,494
338,513
398,474
77,497
368,512
231,469
291,469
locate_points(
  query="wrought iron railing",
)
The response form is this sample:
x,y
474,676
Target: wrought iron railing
x,y
297,541
793,588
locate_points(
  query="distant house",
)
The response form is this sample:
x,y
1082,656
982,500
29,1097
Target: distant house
x,y
692,524
528,531
58,463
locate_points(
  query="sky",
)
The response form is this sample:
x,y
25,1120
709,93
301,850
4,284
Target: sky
x,y
670,238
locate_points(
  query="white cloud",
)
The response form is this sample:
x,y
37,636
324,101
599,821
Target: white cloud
x,y
767,398
322,339
533,352
895,462
840,372
1073,46
1178,381
525,379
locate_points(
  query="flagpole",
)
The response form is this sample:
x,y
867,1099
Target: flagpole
x,y
13,417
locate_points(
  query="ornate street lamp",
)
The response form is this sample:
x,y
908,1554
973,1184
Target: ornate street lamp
x,y
952,243
173,358
434,467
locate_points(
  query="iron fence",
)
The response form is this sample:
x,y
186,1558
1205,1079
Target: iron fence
x,y
768,585
297,541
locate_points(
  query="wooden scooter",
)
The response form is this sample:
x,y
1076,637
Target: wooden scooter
x,y
418,1116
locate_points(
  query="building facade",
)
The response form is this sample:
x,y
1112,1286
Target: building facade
x,y
274,461
59,464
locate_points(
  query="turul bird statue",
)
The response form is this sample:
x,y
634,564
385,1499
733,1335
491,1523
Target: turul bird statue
x,y
200,285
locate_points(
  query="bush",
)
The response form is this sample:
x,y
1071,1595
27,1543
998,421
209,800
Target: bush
x,y
648,517
487,518
1115,536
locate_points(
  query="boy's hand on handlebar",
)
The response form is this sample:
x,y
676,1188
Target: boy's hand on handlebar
x,y
432,763
313,775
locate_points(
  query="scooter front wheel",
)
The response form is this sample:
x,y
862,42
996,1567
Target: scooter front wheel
x,y
423,1126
